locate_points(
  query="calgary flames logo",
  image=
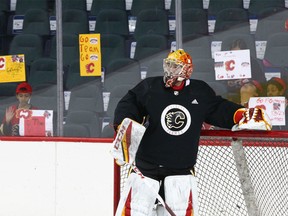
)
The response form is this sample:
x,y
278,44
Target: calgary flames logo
x,y
175,119
230,65
23,113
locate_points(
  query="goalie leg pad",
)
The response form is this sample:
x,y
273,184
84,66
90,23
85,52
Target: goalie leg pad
x,y
137,197
181,194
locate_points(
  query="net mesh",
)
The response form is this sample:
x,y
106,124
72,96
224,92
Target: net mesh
x,y
220,191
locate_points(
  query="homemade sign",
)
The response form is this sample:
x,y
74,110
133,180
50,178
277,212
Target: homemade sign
x,y
274,106
36,122
232,65
12,68
90,54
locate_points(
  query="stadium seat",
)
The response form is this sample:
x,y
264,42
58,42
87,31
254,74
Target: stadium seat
x,y
22,6
88,119
232,20
75,21
257,6
198,47
116,94
98,5
74,4
269,25
186,4
194,22
87,97
112,47
149,46
45,97
276,53
216,6
36,21
8,89
5,5
125,75
203,69
154,68
70,48
72,76
31,45
139,5
151,21
43,71
112,21
122,65
3,23
75,130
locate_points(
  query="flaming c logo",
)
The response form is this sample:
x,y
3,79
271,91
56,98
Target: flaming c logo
x,y
22,113
90,68
175,119
230,65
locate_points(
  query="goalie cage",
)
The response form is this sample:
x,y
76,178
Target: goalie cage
x,y
238,173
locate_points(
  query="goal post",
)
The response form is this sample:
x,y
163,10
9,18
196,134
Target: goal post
x,y
238,173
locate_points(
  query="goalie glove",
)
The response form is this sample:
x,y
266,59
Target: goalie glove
x,y
252,119
126,142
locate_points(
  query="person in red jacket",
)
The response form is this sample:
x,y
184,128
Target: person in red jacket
x,y
10,123
173,107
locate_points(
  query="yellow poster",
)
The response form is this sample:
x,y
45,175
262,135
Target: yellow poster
x,y
12,68
90,54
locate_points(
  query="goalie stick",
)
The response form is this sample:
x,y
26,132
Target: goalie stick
x,y
116,143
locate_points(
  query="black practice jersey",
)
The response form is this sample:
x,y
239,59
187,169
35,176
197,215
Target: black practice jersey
x,y
175,119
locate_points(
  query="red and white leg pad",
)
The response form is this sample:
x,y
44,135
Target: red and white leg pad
x,y
136,198
181,194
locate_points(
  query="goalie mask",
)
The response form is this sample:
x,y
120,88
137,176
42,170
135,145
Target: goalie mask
x,y
177,67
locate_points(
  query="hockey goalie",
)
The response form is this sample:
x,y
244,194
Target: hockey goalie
x,y
158,125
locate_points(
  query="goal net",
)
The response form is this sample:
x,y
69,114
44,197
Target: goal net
x,y
239,174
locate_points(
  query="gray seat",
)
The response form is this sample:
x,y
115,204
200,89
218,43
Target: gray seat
x,y
116,94
98,5
139,5
88,119
198,47
276,53
43,71
75,21
150,45
270,25
151,21
75,130
30,45
45,97
36,21
112,21
87,97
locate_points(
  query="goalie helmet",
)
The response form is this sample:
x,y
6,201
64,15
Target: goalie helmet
x,y
177,67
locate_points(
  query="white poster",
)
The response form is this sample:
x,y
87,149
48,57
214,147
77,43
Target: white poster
x,y
274,106
232,65
36,123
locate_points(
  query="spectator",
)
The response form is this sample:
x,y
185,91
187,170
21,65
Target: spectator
x,y
256,72
251,88
10,123
277,87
